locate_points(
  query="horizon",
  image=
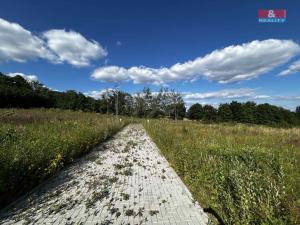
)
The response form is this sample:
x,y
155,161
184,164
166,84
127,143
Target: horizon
x,y
212,52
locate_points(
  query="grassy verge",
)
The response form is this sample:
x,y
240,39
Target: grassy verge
x,y
35,144
245,174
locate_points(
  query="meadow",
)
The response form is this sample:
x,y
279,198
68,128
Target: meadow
x,y
240,174
36,144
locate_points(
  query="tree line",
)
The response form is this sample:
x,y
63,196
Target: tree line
x,y
248,112
17,92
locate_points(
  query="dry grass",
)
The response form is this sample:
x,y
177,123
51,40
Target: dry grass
x,y
246,174
35,144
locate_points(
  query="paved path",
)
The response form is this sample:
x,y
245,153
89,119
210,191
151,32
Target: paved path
x,y
123,181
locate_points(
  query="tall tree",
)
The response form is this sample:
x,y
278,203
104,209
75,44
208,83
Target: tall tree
x,y
139,105
176,107
237,111
298,112
209,113
248,112
225,113
195,112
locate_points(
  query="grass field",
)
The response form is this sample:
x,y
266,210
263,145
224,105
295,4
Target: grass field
x,y
243,174
35,144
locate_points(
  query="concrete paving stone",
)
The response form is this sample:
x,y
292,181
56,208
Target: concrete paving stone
x,y
125,173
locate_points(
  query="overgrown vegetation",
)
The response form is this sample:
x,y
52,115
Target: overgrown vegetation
x,y
35,144
242,174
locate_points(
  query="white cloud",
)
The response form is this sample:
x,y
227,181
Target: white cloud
x,y
29,78
262,97
241,62
226,94
248,94
135,74
57,46
215,98
242,95
288,98
192,96
100,94
20,45
72,47
119,43
231,64
110,74
293,68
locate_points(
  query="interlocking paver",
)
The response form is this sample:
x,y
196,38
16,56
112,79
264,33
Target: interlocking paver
x,y
122,181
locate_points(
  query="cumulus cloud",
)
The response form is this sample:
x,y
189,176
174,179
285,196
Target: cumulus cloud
x,y
110,74
72,47
57,46
100,94
231,64
137,75
29,78
293,68
20,45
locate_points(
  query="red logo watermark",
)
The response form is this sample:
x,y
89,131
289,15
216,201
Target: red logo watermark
x,y
271,15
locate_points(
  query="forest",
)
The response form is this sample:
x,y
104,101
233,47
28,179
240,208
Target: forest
x,y
16,92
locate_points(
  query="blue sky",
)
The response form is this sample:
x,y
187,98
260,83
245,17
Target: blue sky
x,y
91,45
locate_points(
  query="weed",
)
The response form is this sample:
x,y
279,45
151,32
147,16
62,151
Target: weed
x,y
127,172
129,212
99,162
106,222
119,166
112,180
97,196
113,210
245,174
35,144
125,196
153,212
140,212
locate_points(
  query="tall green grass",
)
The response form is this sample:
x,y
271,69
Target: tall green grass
x,y
242,174
35,144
